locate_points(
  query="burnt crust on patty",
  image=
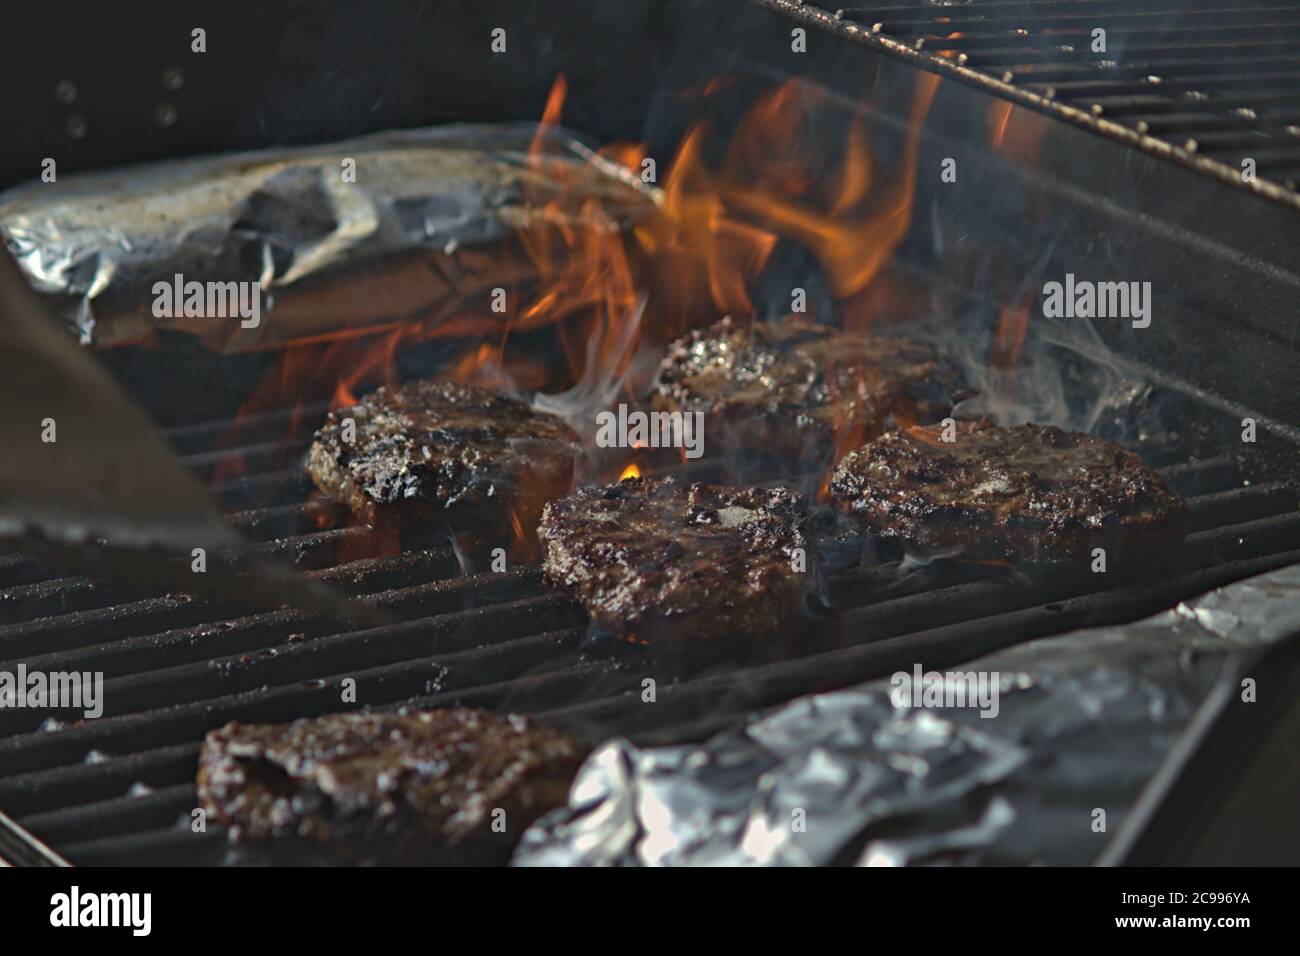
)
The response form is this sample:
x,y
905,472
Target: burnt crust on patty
x,y
1032,492
430,450
661,559
790,389
420,787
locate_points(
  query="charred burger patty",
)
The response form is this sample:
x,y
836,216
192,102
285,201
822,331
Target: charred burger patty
x,y
658,558
789,389
1033,492
438,450
420,787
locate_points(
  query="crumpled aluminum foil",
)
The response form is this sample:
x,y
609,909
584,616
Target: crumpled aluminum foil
x,y
1084,720
425,226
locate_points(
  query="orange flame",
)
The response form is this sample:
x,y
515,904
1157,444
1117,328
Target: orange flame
x,y
613,269
631,471
864,224
1016,132
577,243
999,117
1005,349
1009,338
715,229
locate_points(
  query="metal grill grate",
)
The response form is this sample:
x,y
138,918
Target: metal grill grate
x,y
1204,83
119,789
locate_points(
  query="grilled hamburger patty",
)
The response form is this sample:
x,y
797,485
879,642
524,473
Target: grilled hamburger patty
x,y
437,450
655,558
1032,491
789,389
418,787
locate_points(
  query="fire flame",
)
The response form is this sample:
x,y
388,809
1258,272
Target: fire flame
x,y
631,471
1009,338
1015,131
851,247
615,274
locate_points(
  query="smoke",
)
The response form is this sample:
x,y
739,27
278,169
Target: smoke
x,y
1018,365
619,361
1065,376
609,367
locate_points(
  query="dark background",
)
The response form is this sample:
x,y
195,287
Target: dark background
x,y
290,71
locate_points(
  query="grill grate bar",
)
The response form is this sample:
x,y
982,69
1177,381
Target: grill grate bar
x,y
50,769
1104,86
17,569
267,488
274,425
261,457
156,847
1045,77
716,696
263,632
313,551
335,654
144,811
952,18
1209,60
406,570
1220,547
117,789
1041,8
703,703
316,550
102,625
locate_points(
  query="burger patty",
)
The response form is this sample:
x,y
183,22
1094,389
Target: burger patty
x,y
437,450
790,389
1030,492
418,788
658,558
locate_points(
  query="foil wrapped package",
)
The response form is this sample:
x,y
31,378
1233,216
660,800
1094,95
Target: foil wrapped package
x,y
863,776
393,227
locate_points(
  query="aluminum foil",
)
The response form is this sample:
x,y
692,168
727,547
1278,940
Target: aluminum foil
x,y
425,226
1084,719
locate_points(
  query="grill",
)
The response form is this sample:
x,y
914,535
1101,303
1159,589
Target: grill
x,y
1203,83
1198,84
119,789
